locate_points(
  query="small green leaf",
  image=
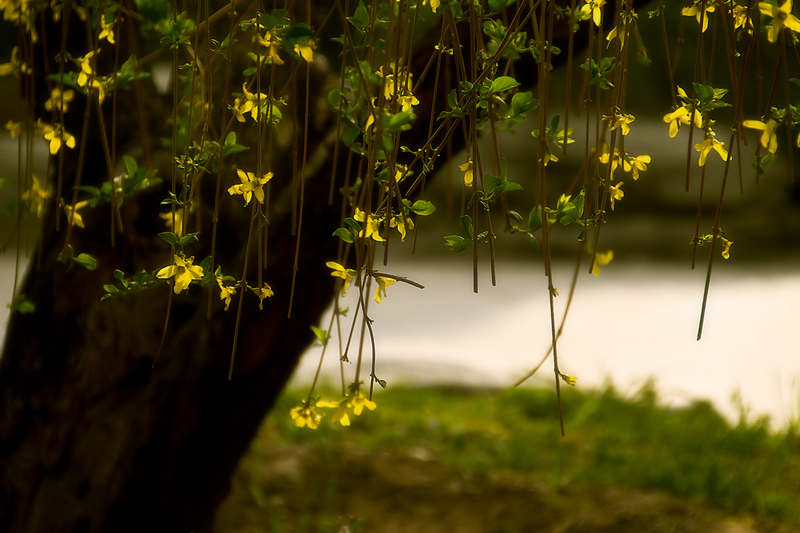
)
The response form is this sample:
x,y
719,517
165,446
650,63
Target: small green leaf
x,y
503,83
189,238
320,334
343,234
23,306
110,289
466,221
457,243
381,382
170,239
423,207
130,165
86,261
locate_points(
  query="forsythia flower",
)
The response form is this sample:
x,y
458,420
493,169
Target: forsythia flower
x,y
769,139
382,284
14,128
341,410
55,136
306,51
616,193
341,272
569,380
177,228
107,31
711,143
601,259
373,225
183,271
272,44
726,251
397,221
359,402
466,168
250,185
682,116
303,416
595,8
637,164
621,122
262,293
781,16
225,292
37,196
59,100
73,217
697,11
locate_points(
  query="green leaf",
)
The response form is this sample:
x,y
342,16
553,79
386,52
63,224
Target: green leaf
x,y
523,102
86,261
350,135
189,238
353,224
320,334
381,382
503,83
23,306
110,289
170,239
343,234
535,219
130,165
457,243
423,207
466,221
511,186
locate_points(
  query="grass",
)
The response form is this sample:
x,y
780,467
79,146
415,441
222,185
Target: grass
x,y
628,442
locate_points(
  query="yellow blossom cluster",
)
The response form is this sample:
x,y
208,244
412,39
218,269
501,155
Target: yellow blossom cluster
x,y
305,416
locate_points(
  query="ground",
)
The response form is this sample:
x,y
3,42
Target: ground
x,y
302,487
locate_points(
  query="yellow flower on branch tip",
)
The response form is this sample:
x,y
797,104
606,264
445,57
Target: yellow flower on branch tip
x,y
601,259
616,193
711,143
435,5
621,122
466,168
769,139
637,164
397,221
14,128
682,115
569,380
341,415
304,416
726,251
225,292
73,217
86,68
177,228
59,100
341,272
263,293
183,271
595,9
359,402
306,51
373,225
382,284
740,19
107,31
781,17
56,136
37,196
250,185
696,11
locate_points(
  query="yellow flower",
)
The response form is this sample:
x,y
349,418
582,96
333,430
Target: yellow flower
x,y
14,128
359,402
382,284
373,226
304,416
184,272
466,168
601,259
37,196
341,272
107,31
306,51
272,44
769,139
595,8
59,100
569,380
711,143
637,164
13,66
262,293
177,228
726,251
86,68
621,122
56,136
781,16
740,19
225,292
250,185
435,5
681,116
696,11
616,161
616,193
73,217
397,221
341,410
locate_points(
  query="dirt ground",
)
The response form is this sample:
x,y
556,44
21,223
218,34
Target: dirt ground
x,y
295,488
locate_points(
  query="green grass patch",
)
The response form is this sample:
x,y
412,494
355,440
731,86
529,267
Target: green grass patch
x,y
629,442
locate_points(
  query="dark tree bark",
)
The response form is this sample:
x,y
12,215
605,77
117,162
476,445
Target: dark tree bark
x,y
94,436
